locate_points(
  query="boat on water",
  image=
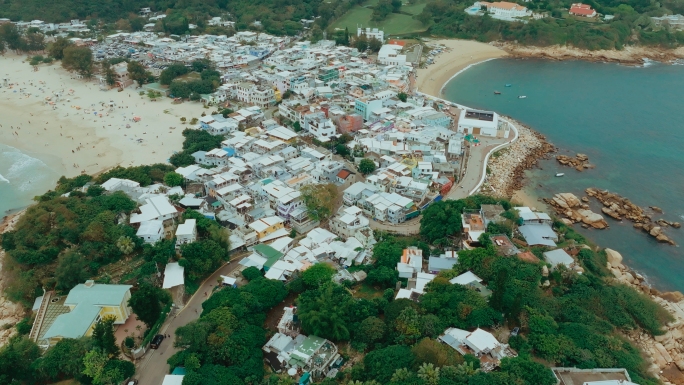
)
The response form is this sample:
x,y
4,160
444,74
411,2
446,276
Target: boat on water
x,y
560,174
497,92
508,85
522,97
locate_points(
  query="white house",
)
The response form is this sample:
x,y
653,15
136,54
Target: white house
x,y
477,342
371,33
319,126
151,231
186,232
390,55
504,10
156,208
485,123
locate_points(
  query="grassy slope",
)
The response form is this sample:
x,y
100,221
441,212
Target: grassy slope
x,y
395,24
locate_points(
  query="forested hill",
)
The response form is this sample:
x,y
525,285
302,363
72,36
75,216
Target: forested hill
x,y
273,14
631,22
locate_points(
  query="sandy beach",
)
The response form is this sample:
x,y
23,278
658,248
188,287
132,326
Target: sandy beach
x,y
461,54
84,129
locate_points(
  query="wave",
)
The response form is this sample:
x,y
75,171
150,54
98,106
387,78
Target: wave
x,y
461,71
25,171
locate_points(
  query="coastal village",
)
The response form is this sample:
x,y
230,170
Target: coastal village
x,y
324,151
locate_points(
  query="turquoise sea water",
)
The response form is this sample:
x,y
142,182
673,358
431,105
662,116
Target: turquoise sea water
x,y
22,177
629,121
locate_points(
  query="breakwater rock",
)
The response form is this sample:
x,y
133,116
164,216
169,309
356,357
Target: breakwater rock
x,y
507,167
570,207
619,208
579,162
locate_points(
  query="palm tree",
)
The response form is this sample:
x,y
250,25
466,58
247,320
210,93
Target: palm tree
x,y
125,245
401,375
429,373
465,369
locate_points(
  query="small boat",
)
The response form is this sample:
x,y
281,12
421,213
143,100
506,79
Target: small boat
x,y
508,85
560,174
522,97
497,92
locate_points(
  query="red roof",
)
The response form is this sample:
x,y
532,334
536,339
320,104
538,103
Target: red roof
x,y
343,174
582,9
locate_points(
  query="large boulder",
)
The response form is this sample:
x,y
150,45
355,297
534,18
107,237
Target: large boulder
x,y
592,219
613,257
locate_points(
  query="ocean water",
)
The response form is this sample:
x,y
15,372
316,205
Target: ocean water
x,y
628,120
22,177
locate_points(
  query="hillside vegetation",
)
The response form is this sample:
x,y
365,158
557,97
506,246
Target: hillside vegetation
x,y
632,23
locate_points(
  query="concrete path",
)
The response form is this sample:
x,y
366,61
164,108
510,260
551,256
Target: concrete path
x,y
153,367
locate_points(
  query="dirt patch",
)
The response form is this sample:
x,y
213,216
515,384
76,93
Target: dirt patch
x,y
276,312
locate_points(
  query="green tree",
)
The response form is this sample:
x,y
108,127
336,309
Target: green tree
x,y
251,273
63,360
173,179
79,59
318,274
202,257
441,220
296,127
429,373
138,73
323,312
370,330
532,373
103,337
171,72
147,303
380,364
319,200
374,45
71,270
103,371
125,244
403,96
366,166
108,73
361,43
15,360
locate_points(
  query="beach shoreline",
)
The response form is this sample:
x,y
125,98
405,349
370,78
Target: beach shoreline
x,y
459,56
84,129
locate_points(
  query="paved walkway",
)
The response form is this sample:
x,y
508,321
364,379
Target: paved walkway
x,y
152,367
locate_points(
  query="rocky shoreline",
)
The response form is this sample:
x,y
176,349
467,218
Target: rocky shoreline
x,y
10,312
665,352
506,170
631,55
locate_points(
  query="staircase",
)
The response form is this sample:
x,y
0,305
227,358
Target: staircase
x,y
40,316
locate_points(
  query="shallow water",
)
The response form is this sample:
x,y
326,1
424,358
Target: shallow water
x,y
628,120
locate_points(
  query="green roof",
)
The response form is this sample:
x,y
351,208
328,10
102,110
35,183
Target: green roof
x,y
307,348
272,255
87,302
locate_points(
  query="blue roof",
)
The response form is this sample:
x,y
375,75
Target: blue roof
x,y
87,302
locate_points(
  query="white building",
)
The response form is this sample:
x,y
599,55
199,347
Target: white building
x,y
186,232
485,123
477,342
319,126
390,55
373,33
156,208
151,231
504,10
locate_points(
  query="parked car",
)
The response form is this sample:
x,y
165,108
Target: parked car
x,y
515,331
132,381
156,341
